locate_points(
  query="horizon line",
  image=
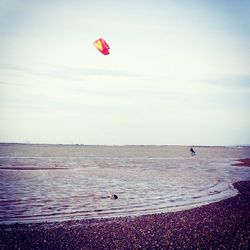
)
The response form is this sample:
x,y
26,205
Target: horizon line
x,y
124,145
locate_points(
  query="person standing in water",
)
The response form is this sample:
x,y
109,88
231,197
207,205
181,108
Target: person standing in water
x,y
192,151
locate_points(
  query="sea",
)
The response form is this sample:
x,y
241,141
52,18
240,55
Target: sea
x,y
48,183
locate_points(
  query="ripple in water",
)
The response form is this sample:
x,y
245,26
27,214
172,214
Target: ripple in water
x,y
53,188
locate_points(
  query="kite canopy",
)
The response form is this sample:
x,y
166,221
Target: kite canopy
x,y
102,46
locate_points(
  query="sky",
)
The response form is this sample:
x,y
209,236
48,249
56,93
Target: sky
x,y
178,72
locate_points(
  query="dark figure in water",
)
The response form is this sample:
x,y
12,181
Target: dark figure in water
x,y
192,151
114,197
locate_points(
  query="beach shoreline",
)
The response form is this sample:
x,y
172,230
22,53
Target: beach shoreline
x,y
219,225
243,163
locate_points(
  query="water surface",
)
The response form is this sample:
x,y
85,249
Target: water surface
x,y
61,182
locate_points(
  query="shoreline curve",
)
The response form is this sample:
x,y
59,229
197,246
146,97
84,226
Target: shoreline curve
x,y
220,225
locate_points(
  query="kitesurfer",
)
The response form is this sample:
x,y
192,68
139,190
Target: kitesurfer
x,y
192,151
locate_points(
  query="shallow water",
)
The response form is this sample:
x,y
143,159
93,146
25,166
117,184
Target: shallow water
x,y
56,182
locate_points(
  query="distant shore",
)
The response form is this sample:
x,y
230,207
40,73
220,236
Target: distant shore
x,y
123,145
220,225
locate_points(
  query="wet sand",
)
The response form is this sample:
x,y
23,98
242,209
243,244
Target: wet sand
x,y
221,225
243,163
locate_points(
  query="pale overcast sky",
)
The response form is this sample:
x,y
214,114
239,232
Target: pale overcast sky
x,y
178,72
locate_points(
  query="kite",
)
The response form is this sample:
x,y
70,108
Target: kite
x,y
102,46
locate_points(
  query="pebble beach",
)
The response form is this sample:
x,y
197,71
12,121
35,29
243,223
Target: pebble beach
x,y
220,225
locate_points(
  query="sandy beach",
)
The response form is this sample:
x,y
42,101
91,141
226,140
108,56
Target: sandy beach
x,y
220,225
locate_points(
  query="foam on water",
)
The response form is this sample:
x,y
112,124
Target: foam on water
x,y
50,183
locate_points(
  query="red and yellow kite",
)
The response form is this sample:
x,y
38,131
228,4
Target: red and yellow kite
x,y
102,46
